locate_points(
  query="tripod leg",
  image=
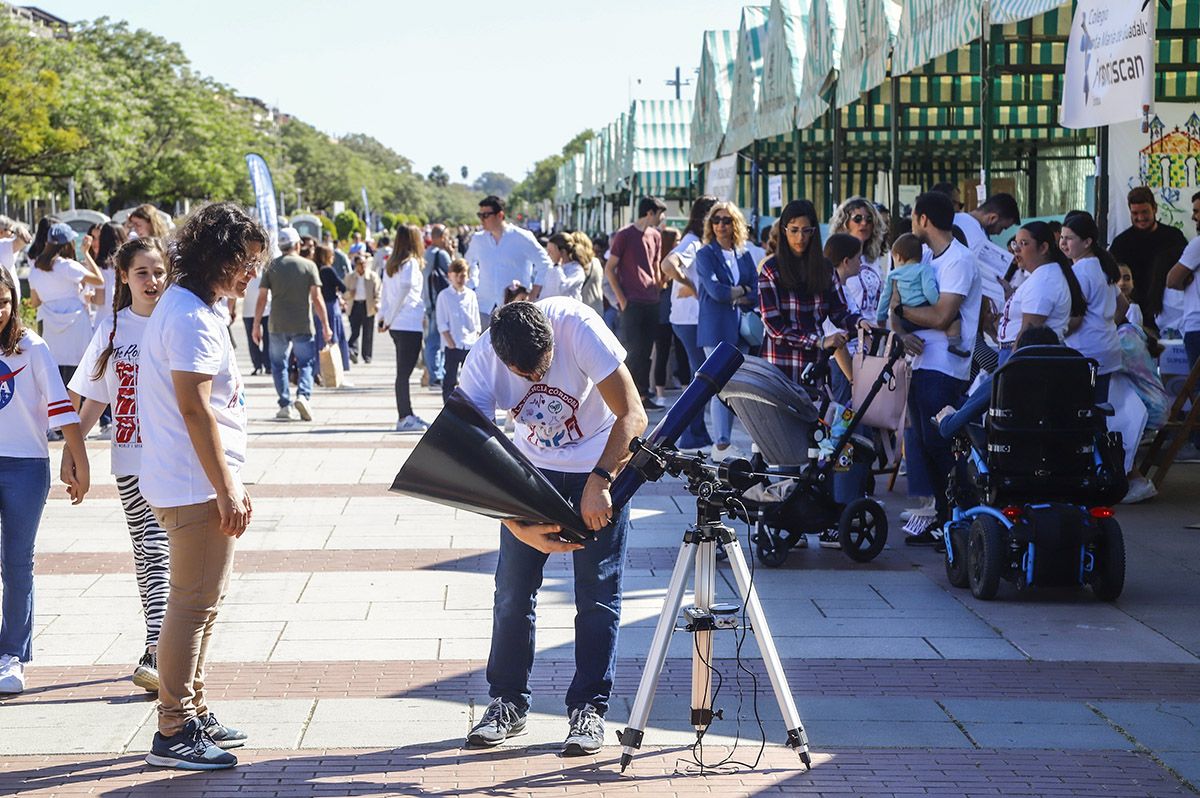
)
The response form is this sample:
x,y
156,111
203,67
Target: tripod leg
x,y
702,646
631,737
797,737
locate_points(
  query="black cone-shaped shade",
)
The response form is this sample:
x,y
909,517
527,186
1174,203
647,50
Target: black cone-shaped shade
x,y
463,460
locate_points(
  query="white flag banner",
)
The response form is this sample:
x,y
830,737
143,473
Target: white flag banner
x,y
1110,63
721,178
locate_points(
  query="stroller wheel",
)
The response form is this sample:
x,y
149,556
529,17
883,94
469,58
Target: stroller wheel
x,y
956,572
1109,579
985,549
863,529
770,552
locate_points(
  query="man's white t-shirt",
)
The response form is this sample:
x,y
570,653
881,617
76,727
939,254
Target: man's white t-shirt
x,y
1096,336
184,334
1043,292
977,237
1191,294
685,309
33,399
956,272
117,386
562,422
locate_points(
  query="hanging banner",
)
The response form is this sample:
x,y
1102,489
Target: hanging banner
x,y
1110,63
775,191
264,198
720,178
1164,159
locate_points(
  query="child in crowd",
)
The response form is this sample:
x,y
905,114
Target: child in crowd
x,y
911,283
516,293
32,400
458,323
107,375
1133,314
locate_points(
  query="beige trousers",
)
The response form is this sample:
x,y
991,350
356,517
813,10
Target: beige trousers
x,y
201,559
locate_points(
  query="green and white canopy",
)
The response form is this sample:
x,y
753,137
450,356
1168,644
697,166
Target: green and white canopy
x,y
823,58
614,157
740,132
871,27
710,112
1005,11
783,67
657,143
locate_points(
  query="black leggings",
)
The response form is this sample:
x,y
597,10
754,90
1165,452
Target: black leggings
x,y
408,349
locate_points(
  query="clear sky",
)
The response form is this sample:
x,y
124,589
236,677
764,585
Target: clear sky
x,y
493,86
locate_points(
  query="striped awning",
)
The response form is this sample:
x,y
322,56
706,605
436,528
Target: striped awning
x,y
929,28
740,132
590,156
657,144
710,111
1006,11
871,27
615,177
823,58
783,67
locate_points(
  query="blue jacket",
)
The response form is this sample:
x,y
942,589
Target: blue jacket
x,y
719,318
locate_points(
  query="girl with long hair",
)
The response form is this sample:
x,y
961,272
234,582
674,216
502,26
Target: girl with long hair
x,y
1048,296
402,315
145,222
108,376
1094,333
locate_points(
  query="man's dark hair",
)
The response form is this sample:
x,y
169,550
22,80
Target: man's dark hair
x,y
492,203
1196,197
1004,206
1140,195
521,336
945,188
907,249
938,207
1040,335
650,205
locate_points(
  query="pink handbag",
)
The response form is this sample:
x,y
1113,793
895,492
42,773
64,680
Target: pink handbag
x,y
887,409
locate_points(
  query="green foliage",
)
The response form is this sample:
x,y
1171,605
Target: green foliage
x,y
328,226
496,183
390,220
28,315
438,176
347,224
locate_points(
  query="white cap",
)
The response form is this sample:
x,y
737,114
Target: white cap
x,y
288,237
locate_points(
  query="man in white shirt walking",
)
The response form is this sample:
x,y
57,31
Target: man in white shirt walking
x,y
501,253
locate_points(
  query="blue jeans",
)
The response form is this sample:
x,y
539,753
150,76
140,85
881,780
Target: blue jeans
x,y
696,435
24,486
722,416
927,453
433,348
598,569
306,353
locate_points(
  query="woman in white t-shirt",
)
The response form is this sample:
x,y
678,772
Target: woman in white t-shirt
x,y
1094,334
192,418
402,315
56,286
32,398
566,276
1049,294
108,376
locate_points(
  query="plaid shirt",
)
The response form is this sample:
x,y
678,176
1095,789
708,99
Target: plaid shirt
x,y
793,320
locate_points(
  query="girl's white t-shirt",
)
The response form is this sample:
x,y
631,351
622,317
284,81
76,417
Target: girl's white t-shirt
x,y
685,310
33,399
400,306
1096,336
564,280
1043,292
185,334
562,422
63,281
117,386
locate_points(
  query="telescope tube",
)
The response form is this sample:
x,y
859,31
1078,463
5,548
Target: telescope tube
x,y
710,378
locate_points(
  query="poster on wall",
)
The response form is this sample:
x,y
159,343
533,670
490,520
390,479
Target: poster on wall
x,y
721,178
1110,63
1165,158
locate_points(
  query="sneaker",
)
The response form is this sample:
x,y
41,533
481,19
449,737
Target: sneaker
x,y
145,675
587,732
224,736
353,356
500,721
650,403
411,424
12,675
54,435
1140,490
302,408
189,749
1188,454
925,538
284,414
926,506
830,539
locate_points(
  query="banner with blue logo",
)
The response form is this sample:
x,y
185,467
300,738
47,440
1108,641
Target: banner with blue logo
x,y
264,198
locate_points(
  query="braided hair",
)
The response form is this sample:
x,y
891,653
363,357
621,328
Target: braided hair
x,y
122,295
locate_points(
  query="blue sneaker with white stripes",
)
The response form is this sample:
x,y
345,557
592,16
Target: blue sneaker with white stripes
x,y
189,749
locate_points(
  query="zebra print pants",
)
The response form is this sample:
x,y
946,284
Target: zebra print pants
x,y
151,555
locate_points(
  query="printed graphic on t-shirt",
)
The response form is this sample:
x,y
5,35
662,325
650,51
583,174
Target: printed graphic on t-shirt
x,y
550,415
8,383
125,418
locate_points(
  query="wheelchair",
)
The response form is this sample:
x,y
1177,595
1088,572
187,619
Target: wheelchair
x,y
1032,490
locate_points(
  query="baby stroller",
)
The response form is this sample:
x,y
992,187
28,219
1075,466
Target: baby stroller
x,y
806,492
1032,490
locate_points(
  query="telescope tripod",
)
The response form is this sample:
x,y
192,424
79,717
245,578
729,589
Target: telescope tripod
x,y
703,618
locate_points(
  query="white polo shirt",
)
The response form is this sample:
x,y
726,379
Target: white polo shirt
x,y
495,264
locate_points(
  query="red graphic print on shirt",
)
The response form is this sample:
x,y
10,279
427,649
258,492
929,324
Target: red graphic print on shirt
x,y
125,422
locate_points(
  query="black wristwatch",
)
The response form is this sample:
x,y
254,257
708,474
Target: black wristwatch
x,y
604,475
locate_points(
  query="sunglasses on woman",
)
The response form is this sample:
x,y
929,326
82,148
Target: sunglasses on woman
x,y
721,221
861,218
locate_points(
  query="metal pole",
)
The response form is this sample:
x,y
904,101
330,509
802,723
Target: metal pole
x,y
835,160
4,195
1102,181
894,134
985,104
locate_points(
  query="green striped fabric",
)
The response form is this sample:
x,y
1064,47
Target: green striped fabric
x,y
740,132
615,177
871,27
783,66
657,143
714,86
929,28
825,30
1005,11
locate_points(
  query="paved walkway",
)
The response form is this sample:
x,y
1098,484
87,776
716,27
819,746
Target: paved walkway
x,y
353,642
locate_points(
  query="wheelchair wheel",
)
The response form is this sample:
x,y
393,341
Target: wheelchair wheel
x,y
956,572
985,550
1109,579
862,529
768,549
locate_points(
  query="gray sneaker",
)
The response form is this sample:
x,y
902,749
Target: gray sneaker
x,y
587,732
500,721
